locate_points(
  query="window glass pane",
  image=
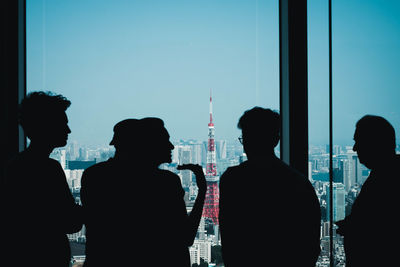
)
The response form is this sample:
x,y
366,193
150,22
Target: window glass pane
x,y
124,59
366,37
365,41
318,118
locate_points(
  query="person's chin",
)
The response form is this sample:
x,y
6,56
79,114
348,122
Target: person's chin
x,y
164,160
364,162
62,143
168,159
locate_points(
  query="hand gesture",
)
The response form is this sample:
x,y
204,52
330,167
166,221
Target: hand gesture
x,y
198,171
341,227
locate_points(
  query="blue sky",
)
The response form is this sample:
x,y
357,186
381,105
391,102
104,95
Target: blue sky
x,y
366,80
120,59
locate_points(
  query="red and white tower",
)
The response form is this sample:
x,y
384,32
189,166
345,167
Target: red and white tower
x,y
211,203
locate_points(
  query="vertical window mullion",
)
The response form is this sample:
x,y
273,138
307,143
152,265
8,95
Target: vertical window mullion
x,y
330,141
294,83
21,65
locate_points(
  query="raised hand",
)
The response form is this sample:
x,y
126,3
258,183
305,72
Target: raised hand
x,y
198,171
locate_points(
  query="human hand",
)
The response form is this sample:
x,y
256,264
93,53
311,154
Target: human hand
x,y
198,171
341,227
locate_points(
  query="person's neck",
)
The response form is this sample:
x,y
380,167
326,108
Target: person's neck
x,y
129,160
262,157
40,148
384,160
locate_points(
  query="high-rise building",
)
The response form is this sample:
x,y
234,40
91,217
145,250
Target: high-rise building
x,y
348,178
73,150
325,229
60,155
63,159
356,169
201,249
74,178
196,153
339,202
83,153
221,149
175,154
336,150
204,153
185,158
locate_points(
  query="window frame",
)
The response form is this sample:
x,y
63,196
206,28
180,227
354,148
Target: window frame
x,y
293,83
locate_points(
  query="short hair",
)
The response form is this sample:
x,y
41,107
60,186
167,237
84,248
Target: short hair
x,y
151,127
372,127
261,122
125,131
38,108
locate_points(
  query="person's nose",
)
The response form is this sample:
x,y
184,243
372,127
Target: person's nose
x,y
171,146
68,130
355,147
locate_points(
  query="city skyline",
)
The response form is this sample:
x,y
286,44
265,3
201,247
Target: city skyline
x,y
349,175
157,58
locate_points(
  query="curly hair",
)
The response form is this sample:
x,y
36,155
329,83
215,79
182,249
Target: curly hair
x,y
37,108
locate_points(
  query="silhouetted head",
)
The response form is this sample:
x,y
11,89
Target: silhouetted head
x,y
125,138
157,146
374,140
43,118
260,131
145,140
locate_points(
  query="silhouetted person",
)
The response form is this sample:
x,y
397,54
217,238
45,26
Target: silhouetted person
x,y
40,209
136,214
371,230
269,213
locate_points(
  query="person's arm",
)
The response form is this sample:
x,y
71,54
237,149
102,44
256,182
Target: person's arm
x,y
195,215
341,230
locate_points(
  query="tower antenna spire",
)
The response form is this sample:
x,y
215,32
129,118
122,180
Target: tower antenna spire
x,y
211,119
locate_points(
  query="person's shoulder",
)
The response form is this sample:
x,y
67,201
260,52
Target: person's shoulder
x,y
99,167
234,171
53,163
292,176
238,168
98,170
166,174
289,171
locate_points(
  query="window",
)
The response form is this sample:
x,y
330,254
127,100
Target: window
x,y
364,54
365,81
155,58
318,99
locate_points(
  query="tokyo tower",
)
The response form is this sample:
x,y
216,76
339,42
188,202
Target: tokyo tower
x,y
211,203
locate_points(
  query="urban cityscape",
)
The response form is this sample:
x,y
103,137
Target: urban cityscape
x,y
215,157
348,177
156,63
